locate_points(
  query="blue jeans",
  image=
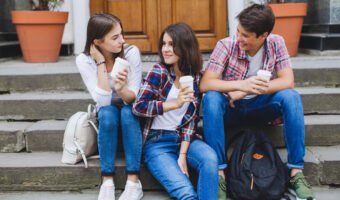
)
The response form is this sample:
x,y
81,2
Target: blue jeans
x,y
258,110
161,151
110,117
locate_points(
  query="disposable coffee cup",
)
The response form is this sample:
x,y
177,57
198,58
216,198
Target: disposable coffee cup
x,y
119,66
186,81
264,74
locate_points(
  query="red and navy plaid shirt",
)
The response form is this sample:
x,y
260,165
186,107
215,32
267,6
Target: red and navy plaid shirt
x,y
231,62
149,101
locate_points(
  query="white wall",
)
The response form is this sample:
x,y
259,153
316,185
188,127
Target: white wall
x,y
81,15
234,8
68,31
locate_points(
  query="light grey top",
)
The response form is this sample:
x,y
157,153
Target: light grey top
x,y
88,71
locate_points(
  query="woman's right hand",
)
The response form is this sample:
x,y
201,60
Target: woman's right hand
x,y
96,54
185,95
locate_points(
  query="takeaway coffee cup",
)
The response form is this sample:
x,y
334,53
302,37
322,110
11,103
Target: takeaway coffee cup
x,y
186,81
264,74
119,66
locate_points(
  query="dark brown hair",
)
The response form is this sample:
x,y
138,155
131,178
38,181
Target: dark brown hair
x,y
98,26
257,18
185,46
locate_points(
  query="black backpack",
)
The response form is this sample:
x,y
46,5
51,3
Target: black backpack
x,y
255,169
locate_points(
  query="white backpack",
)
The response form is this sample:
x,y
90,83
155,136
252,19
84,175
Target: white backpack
x,y
80,137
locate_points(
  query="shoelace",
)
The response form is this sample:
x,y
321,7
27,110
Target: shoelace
x,y
223,186
301,180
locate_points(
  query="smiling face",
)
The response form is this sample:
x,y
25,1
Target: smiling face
x,y
168,53
248,41
113,41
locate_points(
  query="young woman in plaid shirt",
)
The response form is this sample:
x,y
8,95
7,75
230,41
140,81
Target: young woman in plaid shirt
x,y
172,114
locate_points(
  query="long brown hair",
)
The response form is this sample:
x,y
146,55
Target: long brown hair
x,y
185,46
98,26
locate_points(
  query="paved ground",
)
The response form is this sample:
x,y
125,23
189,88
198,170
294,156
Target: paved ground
x,y
322,193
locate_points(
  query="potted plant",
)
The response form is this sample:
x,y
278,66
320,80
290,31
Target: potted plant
x,y
40,30
288,22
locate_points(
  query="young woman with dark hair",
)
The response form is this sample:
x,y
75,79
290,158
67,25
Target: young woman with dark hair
x,y
114,96
172,114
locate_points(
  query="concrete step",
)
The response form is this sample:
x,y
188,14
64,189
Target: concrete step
x,y
43,171
321,193
42,105
47,135
75,195
61,105
16,75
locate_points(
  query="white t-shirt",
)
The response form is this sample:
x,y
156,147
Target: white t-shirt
x,y
255,64
172,119
88,71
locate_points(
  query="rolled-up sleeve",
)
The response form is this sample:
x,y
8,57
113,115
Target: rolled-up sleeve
x,y
136,67
282,60
88,72
147,104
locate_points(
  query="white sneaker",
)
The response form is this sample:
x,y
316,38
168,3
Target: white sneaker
x,y
107,192
133,191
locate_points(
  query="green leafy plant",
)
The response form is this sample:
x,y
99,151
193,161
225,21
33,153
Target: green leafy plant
x,y
51,5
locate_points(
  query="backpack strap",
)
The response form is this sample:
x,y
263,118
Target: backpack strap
x,y
90,115
93,126
82,153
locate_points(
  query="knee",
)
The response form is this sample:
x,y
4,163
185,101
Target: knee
x,y
289,96
210,161
213,101
127,115
108,117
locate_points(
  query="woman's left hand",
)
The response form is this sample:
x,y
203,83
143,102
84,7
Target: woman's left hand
x,y
182,163
121,80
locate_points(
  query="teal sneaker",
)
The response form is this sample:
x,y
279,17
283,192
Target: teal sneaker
x,y
300,188
222,188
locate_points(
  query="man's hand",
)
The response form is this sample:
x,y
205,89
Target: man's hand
x,y
254,85
234,96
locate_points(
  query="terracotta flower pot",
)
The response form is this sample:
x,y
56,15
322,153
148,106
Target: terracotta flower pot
x,y
288,23
40,34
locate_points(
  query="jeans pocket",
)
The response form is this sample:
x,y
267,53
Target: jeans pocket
x,y
152,138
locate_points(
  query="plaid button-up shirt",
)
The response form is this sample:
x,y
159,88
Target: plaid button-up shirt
x,y
231,62
149,101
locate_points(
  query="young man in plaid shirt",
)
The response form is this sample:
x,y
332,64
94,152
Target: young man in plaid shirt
x,y
235,95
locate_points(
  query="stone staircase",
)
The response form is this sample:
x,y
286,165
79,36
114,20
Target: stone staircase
x,y
37,99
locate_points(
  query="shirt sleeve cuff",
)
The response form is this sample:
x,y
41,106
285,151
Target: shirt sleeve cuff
x,y
160,108
102,92
187,137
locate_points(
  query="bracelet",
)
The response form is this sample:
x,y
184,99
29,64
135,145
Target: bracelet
x,y
182,153
99,63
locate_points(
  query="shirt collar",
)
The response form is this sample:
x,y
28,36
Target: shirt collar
x,y
243,54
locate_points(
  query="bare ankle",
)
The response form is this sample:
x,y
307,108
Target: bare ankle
x,y
133,178
221,173
294,171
